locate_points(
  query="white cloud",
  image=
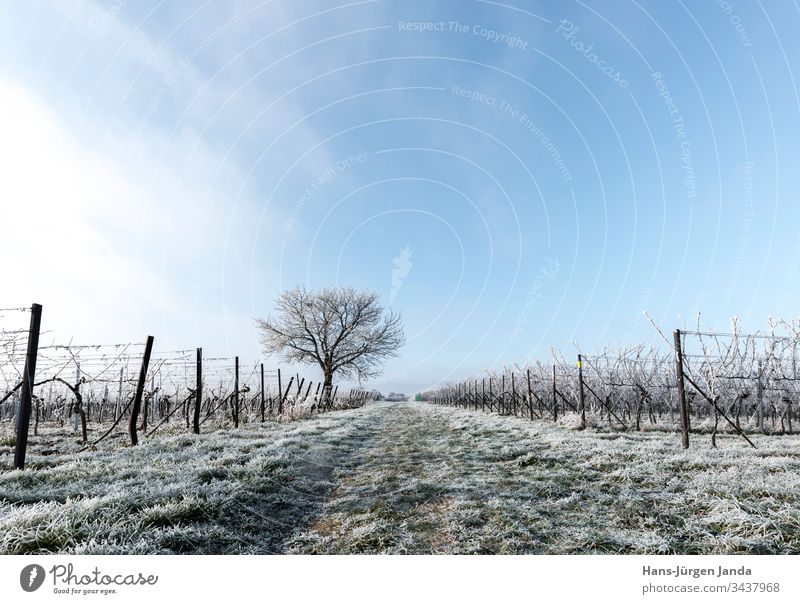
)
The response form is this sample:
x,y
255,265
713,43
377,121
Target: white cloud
x,y
56,249
108,246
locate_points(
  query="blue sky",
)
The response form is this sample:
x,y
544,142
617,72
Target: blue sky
x,y
514,176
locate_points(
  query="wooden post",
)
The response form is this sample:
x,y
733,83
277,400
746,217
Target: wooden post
x,y
280,393
684,410
103,405
639,404
147,402
78,388
262,393
236,392
137,399
530,396
483,394
26,394
503,394
118,410
198,394
285,395
760,398
513,395
555,395
581,396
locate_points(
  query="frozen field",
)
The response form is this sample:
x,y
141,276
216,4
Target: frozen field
x,y
407,478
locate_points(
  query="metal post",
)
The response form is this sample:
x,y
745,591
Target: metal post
x,y
24,409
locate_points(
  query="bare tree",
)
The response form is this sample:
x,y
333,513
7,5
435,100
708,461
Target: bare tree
x,y
344,331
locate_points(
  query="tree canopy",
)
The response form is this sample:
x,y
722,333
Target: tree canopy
x,y
344,331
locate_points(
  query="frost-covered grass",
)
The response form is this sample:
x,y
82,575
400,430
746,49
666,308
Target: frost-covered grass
x,y
229,491
409,478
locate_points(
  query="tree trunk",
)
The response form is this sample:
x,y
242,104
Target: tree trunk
x,y
327,388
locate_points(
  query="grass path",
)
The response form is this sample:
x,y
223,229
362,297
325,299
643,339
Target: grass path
x,y
407,478
439,480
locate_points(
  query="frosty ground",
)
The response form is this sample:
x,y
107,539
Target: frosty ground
x,y
407,478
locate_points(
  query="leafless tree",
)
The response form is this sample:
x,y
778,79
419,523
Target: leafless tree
x,y
344,331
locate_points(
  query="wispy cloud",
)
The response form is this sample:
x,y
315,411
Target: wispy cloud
x,y
402,267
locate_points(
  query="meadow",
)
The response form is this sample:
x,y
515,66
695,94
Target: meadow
x,y
405,478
